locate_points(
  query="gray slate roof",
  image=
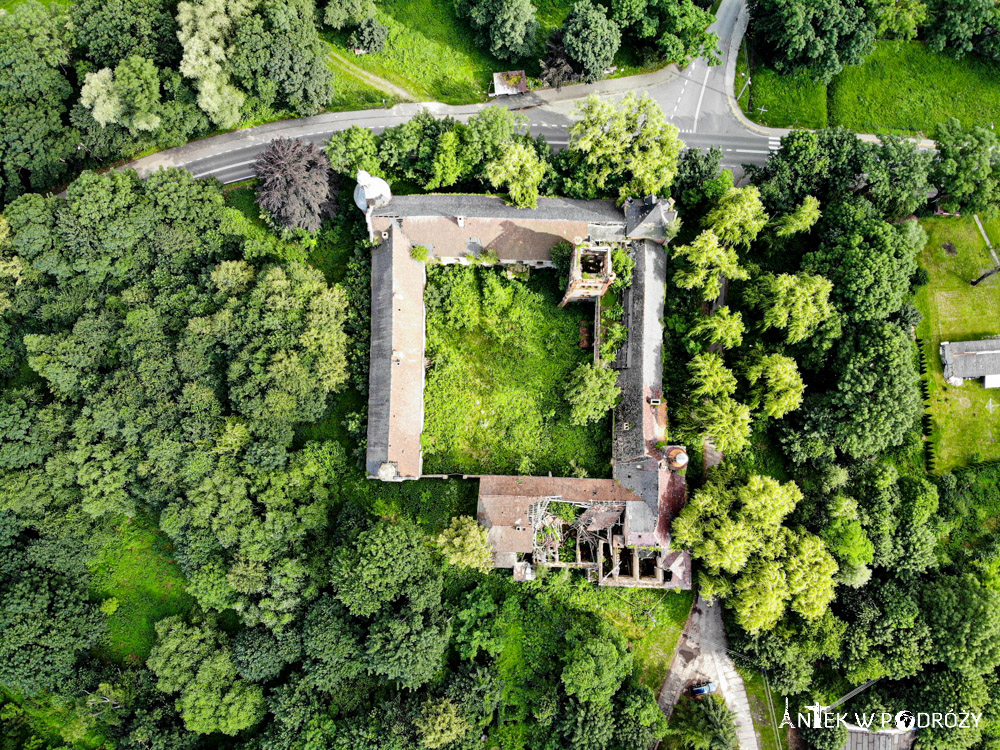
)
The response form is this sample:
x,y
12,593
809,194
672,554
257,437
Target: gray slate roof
x,y
971,359
380,373
644,372
491,207
648,218
643,377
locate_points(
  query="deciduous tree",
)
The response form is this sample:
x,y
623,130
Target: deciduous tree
x,y
519,169
277,56
776,386
205,30
592,392
341,13
46,615
874,403
35,144
799,220
738,216
966,169
797,304
293,183
197,662
707,260
869,261
113,30
723,327
440,724
370,36
964,26
506,26
626,147
591,38
464,544
818,37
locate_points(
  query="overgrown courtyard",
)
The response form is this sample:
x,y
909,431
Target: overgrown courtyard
x,y
501,353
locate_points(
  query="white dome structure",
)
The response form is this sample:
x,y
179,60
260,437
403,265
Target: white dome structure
x,y
371,192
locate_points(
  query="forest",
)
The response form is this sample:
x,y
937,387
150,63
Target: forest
x,y
174,361
839,557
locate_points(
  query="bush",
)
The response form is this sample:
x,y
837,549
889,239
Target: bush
x,y
370,36
592,391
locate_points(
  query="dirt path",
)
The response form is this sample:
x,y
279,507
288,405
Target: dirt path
x,y
373,80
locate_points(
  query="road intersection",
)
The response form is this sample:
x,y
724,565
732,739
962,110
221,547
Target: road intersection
x,y
698,100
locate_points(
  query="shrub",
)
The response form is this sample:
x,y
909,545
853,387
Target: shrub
x,y
370,36
592,391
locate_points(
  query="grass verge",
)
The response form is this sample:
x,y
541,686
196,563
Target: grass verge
x,y
769,736
964,429
135,566
350,92
776,100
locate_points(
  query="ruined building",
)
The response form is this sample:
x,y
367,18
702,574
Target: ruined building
x,y
617,530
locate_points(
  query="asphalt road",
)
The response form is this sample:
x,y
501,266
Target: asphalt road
x,y
697,100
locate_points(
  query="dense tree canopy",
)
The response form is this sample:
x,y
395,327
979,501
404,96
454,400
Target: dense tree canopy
x,y
626,147
591,38
507,27
734,526
197,662
817,36
966,170
874,403
869,261
45,612
34,140
294,183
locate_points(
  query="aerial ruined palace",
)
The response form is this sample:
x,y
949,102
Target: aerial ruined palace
x,y
620,532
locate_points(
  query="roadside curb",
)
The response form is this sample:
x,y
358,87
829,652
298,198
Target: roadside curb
x,y
742,20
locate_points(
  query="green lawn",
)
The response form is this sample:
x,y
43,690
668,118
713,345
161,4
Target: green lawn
x,y
135,566
904,86
430,52
654,648
350,92
771,738
901,87
963,429
787,101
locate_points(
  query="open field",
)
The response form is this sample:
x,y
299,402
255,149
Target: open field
x,y
135,566
430,52
901,87
965,429
906,87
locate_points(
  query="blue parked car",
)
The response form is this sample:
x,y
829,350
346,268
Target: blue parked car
x,y
704,688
